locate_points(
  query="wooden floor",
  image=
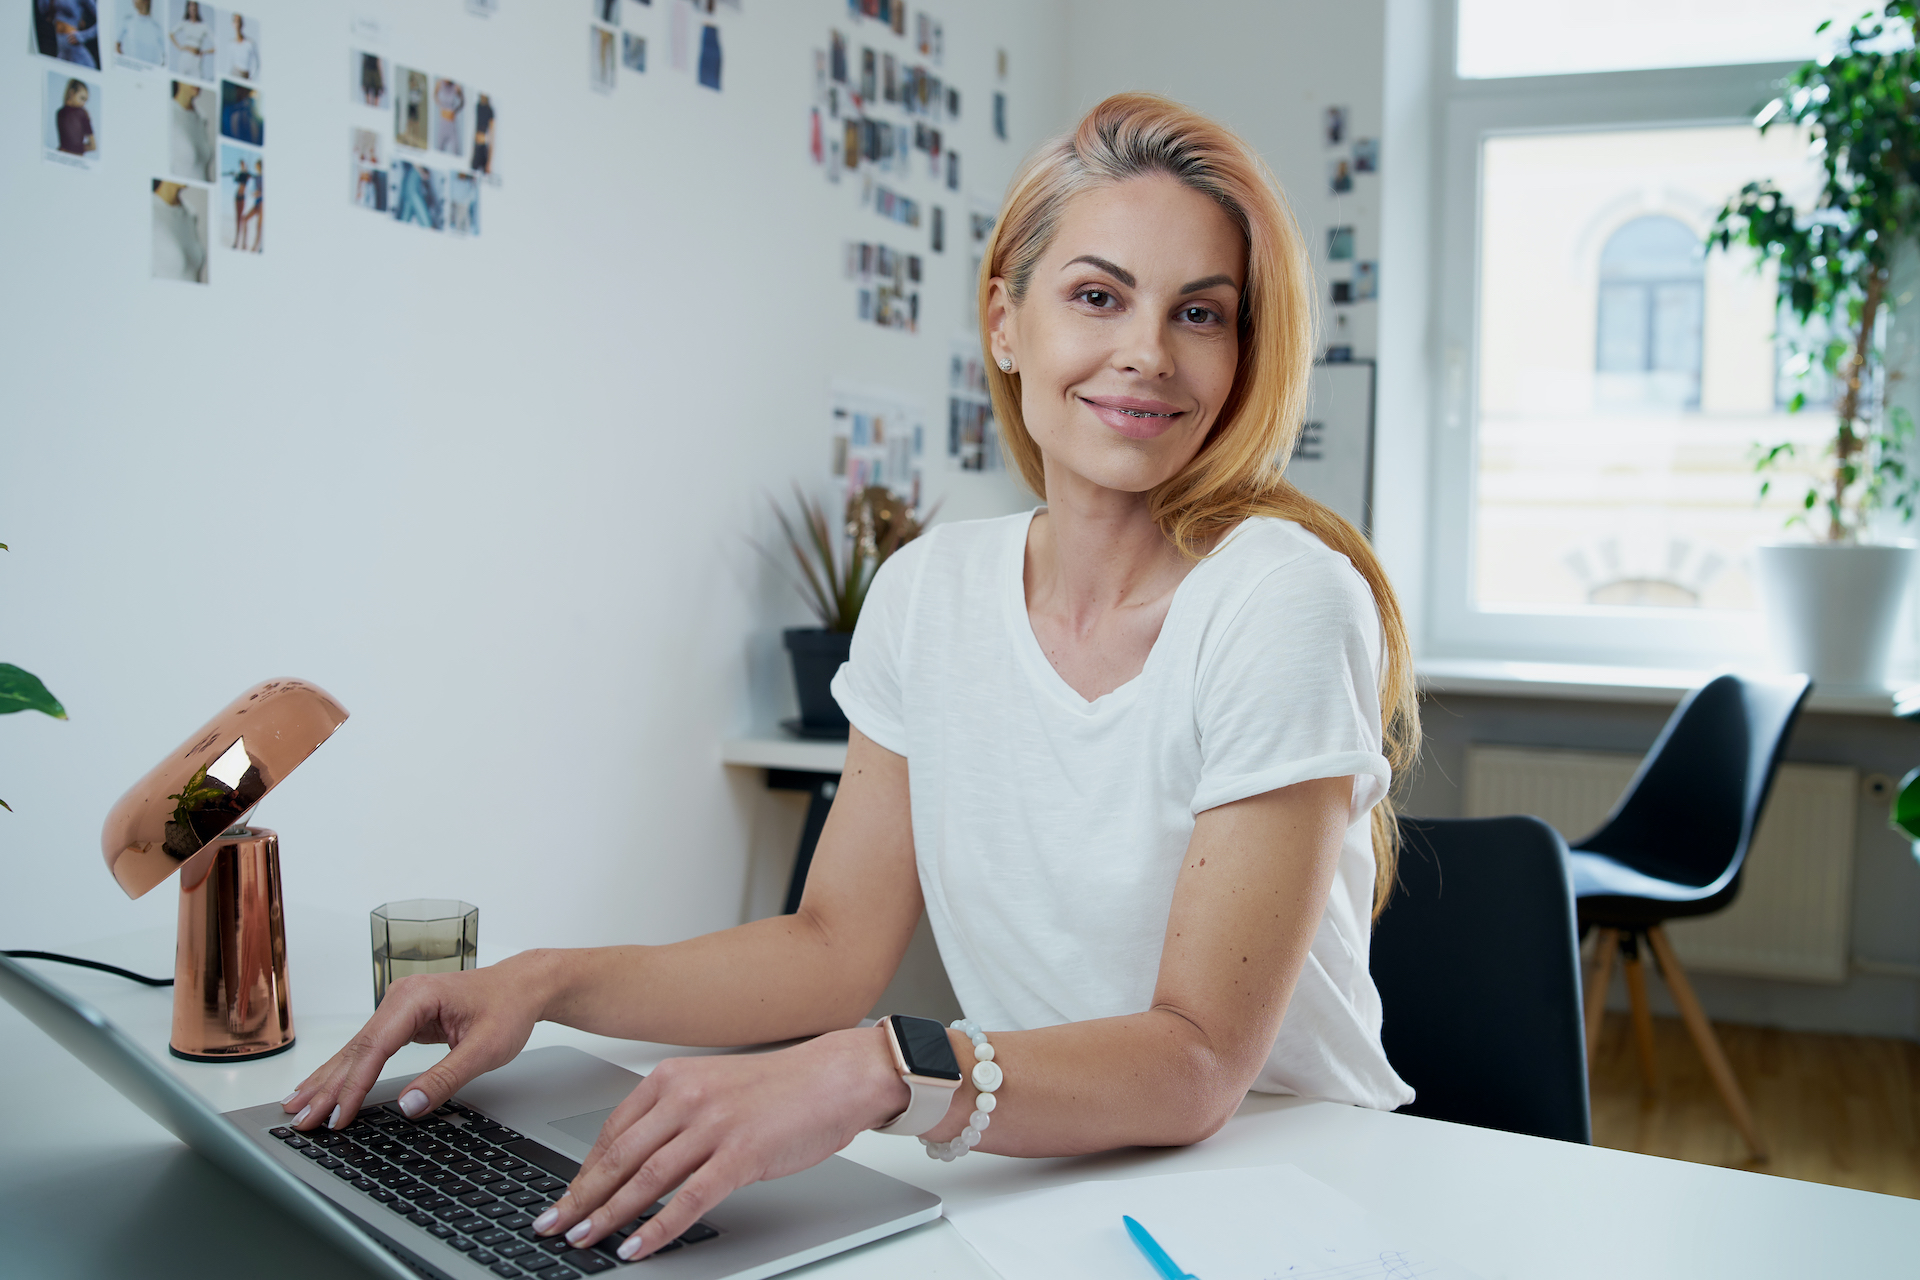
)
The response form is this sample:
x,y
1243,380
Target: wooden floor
x,y
1843,1110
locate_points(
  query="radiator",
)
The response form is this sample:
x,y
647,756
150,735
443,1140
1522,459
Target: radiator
x,y
1791,918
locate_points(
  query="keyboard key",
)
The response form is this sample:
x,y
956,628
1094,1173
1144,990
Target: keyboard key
x,y
465,1245
558,1245
383,1196
400,1206
506,1269
494,1236
525,1198
364,1184
470,1224
484,1177
528,1234
308,1150
281,1132
483,1257
547,1184
419,1164
696,1233
452,1212
496,1210
590,1262
325,1138
537,1262
514,1250
346,1173
442,1230
562,1272
506,1163
443,1178
477,1198
517,1222
668,1247
328,1162
465,1167
420,1219
431,1202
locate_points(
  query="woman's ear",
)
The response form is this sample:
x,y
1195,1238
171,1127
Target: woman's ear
x,y
1000,320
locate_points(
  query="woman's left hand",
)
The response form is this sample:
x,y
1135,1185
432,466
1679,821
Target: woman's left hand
x,y
713,1125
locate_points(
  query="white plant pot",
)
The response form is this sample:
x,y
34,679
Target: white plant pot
x,y
1832,607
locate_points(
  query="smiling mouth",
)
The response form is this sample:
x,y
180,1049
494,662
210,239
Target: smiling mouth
x,y
1131,413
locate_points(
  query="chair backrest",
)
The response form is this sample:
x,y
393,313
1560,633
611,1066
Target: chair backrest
x,y
1477,962
1689,813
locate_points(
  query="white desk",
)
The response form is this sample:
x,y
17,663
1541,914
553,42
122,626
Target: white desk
x,y
89,1187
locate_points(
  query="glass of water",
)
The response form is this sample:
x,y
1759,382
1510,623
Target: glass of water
x,y
422,935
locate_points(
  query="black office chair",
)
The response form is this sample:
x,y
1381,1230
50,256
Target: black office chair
x,y
1478,968
1675,846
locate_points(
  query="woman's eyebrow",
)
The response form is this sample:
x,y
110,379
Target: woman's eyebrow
x,y
1207,283
1119,273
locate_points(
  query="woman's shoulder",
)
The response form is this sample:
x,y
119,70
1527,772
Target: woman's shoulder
x,y
1261,545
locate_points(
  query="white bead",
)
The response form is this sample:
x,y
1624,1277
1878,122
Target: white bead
x,y
983,1052
948,1157
933,1152
985,1102
986,1076
979,1119
970,1136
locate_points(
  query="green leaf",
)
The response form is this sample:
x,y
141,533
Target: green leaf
x,y
22,691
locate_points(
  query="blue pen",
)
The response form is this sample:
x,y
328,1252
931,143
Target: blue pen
x,y
1167,1267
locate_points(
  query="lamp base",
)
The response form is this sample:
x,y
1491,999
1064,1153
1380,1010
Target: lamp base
x,y
230,1000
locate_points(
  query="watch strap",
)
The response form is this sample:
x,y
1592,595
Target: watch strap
x,y
926,1109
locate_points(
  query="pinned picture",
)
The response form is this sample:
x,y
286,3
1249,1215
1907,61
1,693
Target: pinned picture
x,y
1339,244
633,51
410,108
240,114
179,232
1366,281
449,111
837,59
1334,126
68,30
369,79
710,57
190,40
483,136
1000,116
463,205
72,131
937,237
1339,177
869,75
678,36
138,38
607,11
239,47
1342,291
191,130
366,147
1366,155
370,187
600,59
242,178
410,195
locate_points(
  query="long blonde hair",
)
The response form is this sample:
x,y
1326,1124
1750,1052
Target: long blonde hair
x,y
1239,470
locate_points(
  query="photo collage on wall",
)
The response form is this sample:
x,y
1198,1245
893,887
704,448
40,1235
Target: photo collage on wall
x,y
618,34
212,162
970,429
442,134
1352,161
879,438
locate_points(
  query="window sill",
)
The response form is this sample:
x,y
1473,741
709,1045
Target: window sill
x,y
1661,686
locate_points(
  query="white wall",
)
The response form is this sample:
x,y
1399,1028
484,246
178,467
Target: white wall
x,y
495,495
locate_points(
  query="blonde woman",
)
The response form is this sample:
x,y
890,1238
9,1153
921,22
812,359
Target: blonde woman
x,y
1129,752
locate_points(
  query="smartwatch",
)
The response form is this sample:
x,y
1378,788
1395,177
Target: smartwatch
x,y
925,1060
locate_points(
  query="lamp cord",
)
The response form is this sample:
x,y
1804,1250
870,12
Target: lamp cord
x,y
115,970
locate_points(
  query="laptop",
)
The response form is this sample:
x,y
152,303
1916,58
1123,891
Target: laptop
x,y
452,1195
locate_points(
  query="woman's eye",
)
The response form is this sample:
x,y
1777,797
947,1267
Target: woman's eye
x,y
1199,315
1096,297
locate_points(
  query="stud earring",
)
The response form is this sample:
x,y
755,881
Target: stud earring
x,y
1006,364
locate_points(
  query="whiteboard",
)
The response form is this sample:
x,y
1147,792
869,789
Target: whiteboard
x,y
1333,458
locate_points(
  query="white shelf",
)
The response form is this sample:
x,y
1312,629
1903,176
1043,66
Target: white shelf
x,y
1658,686
778,749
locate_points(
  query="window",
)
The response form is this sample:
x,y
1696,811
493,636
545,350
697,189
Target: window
x,y
1648,328
1500,38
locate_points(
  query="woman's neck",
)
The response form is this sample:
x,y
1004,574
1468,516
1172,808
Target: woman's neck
x,y
1095,552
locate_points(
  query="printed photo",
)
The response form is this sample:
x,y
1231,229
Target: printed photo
x,y
633,51
1339,244
369,79
1334,126
1366,155
449,113
366,147
937,237
410,108
837,59
242,173
710,57
1339,177
240,114
869,75
679,28
1000,116
179,232
190,40
72,132
1366,281
463,205
370,187
68,30
410,195
191,130
600,59
483,126
1342,291
436,180
239,47
607,11
138,38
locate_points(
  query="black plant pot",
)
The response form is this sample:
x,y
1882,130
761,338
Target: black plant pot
x,y
817,654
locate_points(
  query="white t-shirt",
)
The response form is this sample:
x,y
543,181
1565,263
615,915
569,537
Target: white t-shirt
x,y
1049,830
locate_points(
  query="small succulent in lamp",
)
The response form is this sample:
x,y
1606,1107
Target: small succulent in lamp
x,y
836,566
22,691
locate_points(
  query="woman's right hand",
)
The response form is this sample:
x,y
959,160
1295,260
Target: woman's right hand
x,y
484,1016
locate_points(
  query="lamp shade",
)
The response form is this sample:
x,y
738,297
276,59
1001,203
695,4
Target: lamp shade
x,y
214,779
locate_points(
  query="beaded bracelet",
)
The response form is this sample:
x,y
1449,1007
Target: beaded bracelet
x,y
986,1077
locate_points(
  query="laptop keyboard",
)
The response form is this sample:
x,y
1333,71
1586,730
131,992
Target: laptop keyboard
x,y
472,1182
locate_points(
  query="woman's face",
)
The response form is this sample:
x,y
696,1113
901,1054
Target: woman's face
x,y
77,95
1128,339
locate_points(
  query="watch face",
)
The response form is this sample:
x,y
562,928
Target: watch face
x,y
924,1044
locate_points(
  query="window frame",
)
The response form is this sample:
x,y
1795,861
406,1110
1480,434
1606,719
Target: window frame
x,y
1473,110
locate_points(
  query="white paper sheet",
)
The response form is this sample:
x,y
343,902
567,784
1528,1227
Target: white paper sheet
x,y
1271,1223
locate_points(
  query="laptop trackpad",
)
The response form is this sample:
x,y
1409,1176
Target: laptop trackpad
x,y
584,1127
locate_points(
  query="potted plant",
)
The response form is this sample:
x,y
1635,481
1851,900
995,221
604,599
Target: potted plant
x,y
836,566
1832,603
22,691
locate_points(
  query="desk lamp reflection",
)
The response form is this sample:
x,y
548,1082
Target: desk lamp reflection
x,y
230,1000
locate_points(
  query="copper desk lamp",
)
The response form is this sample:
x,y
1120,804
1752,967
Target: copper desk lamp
x,y
189,815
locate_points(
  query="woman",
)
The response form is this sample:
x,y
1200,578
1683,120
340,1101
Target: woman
x,y
242,53
72,126
179,235
191,134
192,40
1126,751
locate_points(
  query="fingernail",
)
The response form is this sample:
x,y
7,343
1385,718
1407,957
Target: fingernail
x,y
333,1121
304,1113
290,1097
630,1247
546,1220
581,1230
413,1102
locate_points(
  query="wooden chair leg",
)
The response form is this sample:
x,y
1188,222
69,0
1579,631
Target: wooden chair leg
x,y
1708,1043
1634,966
1604,948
